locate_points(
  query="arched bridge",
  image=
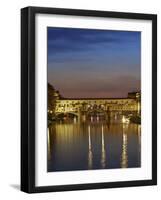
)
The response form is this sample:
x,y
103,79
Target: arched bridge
x,y
83,107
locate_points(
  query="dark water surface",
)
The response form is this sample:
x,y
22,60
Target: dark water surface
x,y
83,146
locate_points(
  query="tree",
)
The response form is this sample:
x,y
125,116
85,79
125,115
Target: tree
x,y
51,101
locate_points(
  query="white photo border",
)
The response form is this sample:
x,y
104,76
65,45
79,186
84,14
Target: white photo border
x,y
42,177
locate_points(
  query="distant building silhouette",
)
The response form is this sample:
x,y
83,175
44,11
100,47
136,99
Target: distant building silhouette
x,y
134,95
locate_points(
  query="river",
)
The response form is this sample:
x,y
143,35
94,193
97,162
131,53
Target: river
x,y
93,145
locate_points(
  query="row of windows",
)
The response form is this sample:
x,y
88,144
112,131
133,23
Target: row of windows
x,y
97,101
95,105
111,108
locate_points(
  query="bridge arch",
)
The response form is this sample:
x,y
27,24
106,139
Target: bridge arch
x,y
66,114
96,111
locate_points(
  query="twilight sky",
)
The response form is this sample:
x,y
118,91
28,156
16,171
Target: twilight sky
x,y
94,63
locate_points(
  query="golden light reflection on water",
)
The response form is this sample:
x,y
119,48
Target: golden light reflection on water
x,y
89,149
139,141
103,152
49,149
75,146
124,161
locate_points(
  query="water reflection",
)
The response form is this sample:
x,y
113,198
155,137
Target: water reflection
x,y
124,160
139,141
49,149
93,145
89,149
103,152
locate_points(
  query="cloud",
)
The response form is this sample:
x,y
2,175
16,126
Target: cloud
x,y
66,40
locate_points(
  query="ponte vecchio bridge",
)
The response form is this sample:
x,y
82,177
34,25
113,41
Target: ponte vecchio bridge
x,y
108,107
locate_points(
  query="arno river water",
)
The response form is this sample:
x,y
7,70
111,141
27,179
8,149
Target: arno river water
x,y
93,145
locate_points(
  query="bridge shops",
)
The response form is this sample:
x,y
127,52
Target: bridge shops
x,y
98,109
